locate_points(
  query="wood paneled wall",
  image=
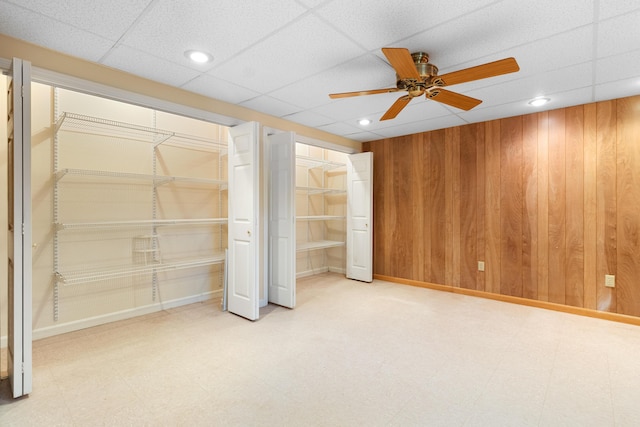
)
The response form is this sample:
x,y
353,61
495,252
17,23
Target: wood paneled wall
x,y
549,201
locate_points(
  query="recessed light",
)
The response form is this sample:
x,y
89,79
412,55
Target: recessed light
x,y
364,122
198,56
538,102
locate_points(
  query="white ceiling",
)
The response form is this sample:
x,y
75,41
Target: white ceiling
x,y
283,57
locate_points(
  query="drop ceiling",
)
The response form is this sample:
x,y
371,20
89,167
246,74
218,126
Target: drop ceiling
x,y
283,57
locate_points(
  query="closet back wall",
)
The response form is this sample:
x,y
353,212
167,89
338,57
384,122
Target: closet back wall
x,y
549,201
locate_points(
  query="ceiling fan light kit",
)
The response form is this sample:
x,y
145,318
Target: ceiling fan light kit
x,y
417,76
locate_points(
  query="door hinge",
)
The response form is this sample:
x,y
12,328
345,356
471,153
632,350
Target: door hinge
x,y
23,228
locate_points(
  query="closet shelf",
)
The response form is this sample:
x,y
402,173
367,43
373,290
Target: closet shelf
x,y
311,163
321,218
140,223
318,190
79,123
160,180
101,174
320,244
86,276
145,178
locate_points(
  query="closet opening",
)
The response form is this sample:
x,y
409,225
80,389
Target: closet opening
x,y
129,210
321,209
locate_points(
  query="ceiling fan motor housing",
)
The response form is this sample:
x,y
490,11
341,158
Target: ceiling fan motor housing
x,y
426,70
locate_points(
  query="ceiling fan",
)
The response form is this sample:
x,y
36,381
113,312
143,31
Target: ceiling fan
x,y
417,76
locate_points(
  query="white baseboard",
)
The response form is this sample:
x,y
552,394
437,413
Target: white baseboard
x,y
311,272
76,325
320,270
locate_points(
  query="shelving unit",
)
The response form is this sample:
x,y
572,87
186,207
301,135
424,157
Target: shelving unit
x,y
321,209
108,216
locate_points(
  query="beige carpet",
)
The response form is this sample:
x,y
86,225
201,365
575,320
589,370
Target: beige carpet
x,y
351,354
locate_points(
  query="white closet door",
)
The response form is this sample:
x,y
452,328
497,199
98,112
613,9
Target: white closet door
x,y
360,217
19,235
244,192
282,234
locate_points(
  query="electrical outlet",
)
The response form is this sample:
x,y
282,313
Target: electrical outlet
x,y
480,265
610,280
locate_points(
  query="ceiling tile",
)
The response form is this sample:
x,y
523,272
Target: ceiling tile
x,y
364,136
312,3
557,51
499,28
339,128
618,67
610,8
219,89
575,77
357,107
109,19
223,28
362,73
378,23
618,89
569,98
44,31
298,51
418,109
148,66
268,105
421,126
619,35
558,100
309,118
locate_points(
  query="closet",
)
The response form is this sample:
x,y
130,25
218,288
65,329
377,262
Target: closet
x,y
321,203
294,217
134,209
139,209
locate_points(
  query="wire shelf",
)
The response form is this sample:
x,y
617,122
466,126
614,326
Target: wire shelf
x,y
311,162
318,190
320,244
86,276
140,223
145,178
321,218
80,123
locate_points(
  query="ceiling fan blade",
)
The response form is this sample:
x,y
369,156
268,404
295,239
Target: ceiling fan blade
x,y
491,69
397,106
453,99
363,92
401,60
